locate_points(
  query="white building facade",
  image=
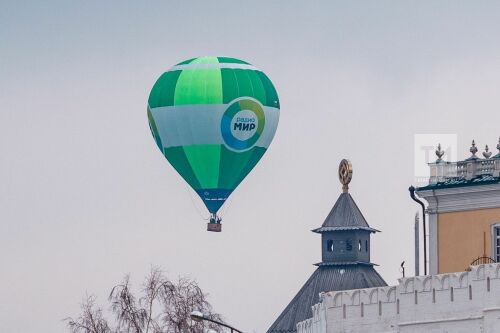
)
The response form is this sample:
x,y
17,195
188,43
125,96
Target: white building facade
x,y
455,302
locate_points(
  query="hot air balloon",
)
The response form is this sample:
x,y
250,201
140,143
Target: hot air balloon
x,y
213,118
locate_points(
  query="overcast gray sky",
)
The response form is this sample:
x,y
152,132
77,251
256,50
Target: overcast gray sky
x,y
85,195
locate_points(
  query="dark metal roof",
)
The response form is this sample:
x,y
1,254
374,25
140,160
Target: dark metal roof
x,y
325,278
460,182
323,229
345,215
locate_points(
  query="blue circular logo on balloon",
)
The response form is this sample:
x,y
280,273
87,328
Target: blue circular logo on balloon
x,y
242,123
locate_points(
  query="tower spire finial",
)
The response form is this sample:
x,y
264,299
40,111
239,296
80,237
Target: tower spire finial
x,y
345,174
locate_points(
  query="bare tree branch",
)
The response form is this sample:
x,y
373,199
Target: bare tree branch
x,y
163,306
90,321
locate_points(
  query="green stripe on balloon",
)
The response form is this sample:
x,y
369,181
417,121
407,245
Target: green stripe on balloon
x,y
259,93
272,95
235,166
177,157
255,157
229,85
231,165
205,161
244,83
226,60
205,60
199,86
163,91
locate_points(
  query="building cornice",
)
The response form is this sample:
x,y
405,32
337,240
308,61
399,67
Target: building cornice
x,y
465,198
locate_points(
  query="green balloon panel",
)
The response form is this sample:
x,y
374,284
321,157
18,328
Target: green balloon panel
x,y
213,118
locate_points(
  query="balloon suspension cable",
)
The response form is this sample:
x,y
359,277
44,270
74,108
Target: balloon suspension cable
x,y
225,207
198,210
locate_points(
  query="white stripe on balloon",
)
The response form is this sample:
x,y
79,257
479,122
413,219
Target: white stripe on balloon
x,y
214,65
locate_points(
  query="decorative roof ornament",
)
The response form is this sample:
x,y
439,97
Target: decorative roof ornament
x,y
473,150
345,174
439,153
486,152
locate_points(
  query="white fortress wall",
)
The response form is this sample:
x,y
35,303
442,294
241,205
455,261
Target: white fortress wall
x,y
455,302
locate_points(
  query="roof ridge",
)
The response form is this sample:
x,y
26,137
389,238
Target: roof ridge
x,y
345,214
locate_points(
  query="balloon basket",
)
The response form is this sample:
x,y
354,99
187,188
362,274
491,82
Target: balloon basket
x,y
214,227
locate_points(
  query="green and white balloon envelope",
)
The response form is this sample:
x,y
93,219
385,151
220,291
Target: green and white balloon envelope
x,y
213,118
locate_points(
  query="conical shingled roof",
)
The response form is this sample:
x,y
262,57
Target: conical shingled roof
x,y
324,279
345,215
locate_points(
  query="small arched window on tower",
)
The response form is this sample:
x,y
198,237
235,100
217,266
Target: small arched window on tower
x,y
359,245
366,245
329,245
